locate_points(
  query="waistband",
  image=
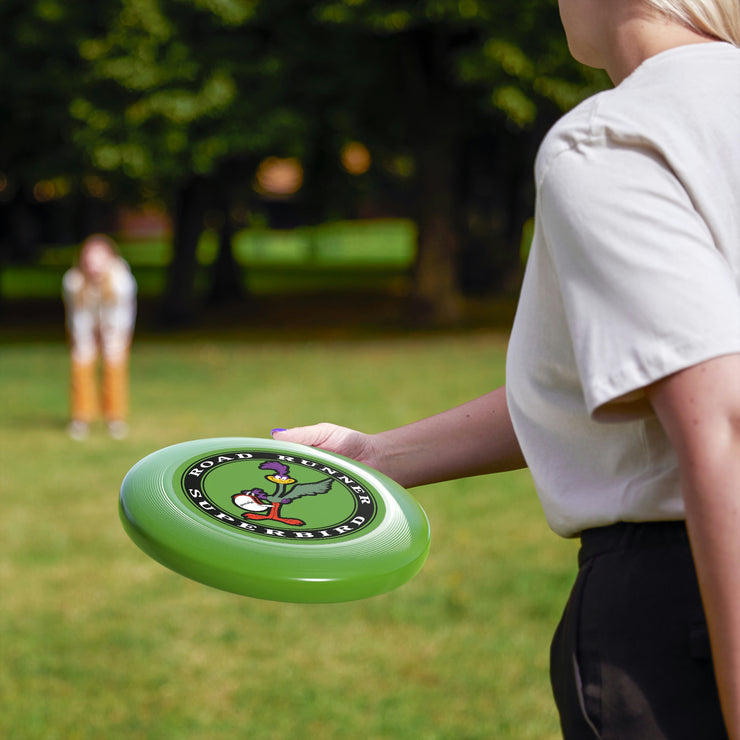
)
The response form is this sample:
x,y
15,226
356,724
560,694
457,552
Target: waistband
x,y
629,535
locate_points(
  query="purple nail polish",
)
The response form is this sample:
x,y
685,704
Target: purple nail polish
x,y
277,430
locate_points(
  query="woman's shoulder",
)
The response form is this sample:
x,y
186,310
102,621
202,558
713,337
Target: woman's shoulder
x,y
570,132
619,115
663,106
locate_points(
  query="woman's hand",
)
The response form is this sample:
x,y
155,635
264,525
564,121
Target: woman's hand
x,y
332,438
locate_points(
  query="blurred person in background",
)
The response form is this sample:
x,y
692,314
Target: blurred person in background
x,y
100,303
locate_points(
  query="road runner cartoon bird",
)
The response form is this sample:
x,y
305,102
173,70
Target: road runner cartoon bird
x,y
256,500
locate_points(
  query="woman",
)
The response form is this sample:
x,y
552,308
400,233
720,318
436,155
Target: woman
x,y
100,301
623,375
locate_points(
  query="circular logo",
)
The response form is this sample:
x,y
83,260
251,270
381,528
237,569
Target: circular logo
x,y
273,495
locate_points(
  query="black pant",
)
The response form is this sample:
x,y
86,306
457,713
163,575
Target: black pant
x,y
630,659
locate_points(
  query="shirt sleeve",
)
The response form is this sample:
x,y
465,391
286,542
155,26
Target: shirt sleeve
x,y
645,289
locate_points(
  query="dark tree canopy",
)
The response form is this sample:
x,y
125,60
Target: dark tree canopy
x,y
180,100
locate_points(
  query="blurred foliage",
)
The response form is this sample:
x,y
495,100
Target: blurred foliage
x,y
512,52
178,87
152,90
40,72
179,101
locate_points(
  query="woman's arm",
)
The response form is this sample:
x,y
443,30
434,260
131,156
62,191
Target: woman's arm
x,y
473,439
700,411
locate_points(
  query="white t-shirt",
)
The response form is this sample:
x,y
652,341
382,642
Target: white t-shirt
x,y
98,319
634,274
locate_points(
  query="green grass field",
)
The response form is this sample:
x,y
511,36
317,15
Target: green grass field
x,y
99,641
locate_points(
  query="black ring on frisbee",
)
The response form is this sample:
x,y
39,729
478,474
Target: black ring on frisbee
x,y
274,520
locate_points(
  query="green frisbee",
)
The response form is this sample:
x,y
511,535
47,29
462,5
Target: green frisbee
x,y
274,520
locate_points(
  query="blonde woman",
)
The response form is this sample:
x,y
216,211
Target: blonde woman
x,y
100,302
623,376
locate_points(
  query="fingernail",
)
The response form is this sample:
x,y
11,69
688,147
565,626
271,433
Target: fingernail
x,y
278,430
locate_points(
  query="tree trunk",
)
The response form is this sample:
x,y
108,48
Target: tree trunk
x,y
436,291
432,112
179,301
226,274
496,199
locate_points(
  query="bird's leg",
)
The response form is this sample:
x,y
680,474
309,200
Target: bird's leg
x,y
274,515
274,511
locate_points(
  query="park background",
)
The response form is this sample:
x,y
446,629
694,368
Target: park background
x,y
326,206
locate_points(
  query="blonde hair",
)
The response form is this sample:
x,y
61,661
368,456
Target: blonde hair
x,y
100,239
717,18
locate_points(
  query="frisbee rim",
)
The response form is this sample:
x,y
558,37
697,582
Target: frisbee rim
x,y
156,515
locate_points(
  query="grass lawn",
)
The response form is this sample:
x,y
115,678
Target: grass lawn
x,y
99,641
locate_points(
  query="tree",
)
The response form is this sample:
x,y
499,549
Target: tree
x,y
39,74
180,100
451,73
189,96
162,109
